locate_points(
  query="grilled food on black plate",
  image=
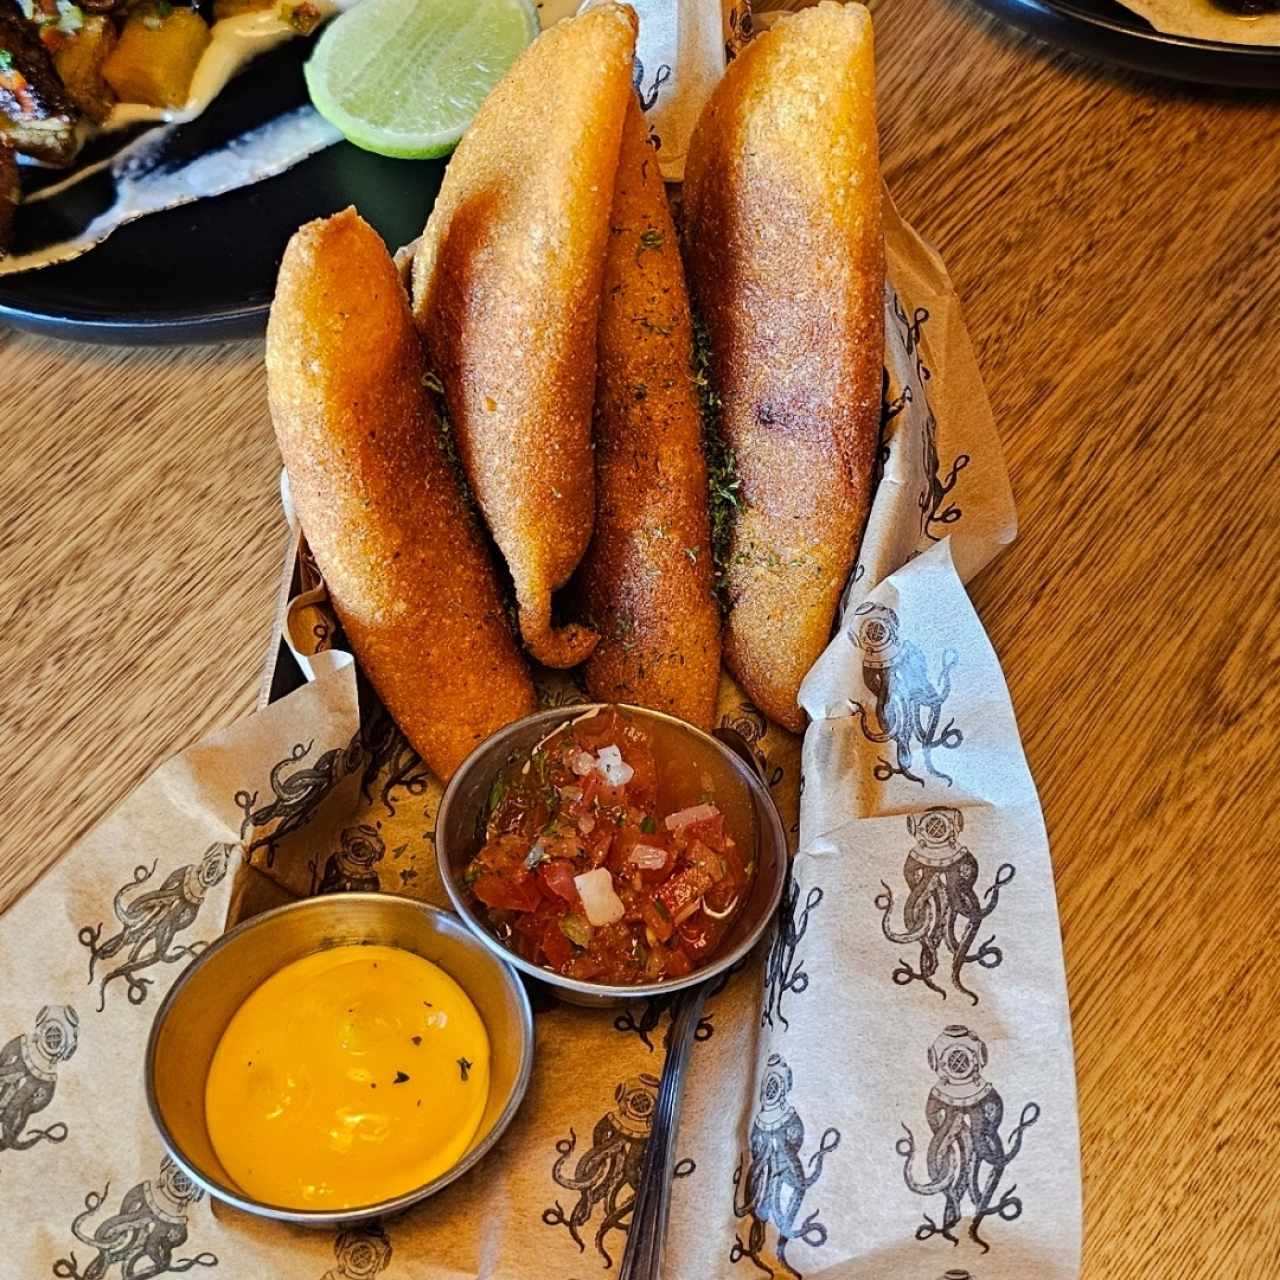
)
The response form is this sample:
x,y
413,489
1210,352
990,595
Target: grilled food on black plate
x,y
80,60
37,116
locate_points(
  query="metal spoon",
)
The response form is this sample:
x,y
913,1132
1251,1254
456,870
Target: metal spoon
x,y
642,1259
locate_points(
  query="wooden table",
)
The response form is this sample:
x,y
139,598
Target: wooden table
x,y
1117,243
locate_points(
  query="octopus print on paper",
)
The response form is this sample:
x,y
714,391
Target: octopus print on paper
x,y
778,1178
605,1176
29,1076
747,720
390,760
648,89
738,30
297,791
353,866
942,911
908,706
936,506
643,1018
890,408
362,1252
150,920
967,1156
557,689
143,1238
784,970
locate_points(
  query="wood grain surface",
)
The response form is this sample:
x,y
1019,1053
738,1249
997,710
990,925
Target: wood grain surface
x,y
1117,243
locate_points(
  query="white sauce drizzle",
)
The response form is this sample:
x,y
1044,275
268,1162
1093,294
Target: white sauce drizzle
x,y
234,42
262,153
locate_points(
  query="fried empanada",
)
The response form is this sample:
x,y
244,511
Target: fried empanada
x,y
786,267
382,509
506,285
647,576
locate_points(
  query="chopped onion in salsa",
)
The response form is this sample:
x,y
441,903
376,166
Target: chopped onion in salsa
x,y
586,871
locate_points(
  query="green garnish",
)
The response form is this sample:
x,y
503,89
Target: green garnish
x,y
648,826
692,553
449,447
661,908
663,331
576,929
651,240
497,793
472,874
766,559
624,629
723,483
6,61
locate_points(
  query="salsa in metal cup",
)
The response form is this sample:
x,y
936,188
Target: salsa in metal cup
x,y
611,857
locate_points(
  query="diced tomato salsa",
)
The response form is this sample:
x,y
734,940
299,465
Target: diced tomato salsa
x,y
585,873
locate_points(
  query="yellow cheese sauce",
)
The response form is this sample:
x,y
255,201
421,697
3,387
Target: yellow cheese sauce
x,y
349,1076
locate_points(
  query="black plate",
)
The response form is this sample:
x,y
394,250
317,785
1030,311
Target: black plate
x,y
1101,29
206,271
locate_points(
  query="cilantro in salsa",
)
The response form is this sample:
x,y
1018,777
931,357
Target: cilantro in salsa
x,y
590,870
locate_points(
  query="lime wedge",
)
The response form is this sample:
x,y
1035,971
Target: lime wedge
x,y
405,77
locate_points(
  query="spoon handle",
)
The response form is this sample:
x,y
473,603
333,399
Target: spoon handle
x,y
643,1257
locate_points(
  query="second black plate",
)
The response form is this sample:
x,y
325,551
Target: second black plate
x,y
1112,33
